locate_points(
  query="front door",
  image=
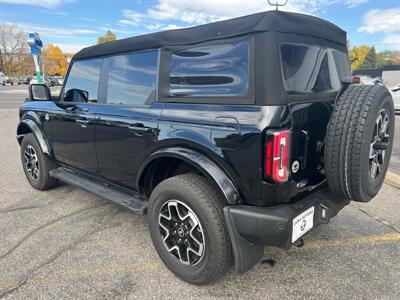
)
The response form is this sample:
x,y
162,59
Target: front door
x,y
72,136
71,123
127,126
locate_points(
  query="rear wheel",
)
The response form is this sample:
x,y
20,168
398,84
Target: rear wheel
x,y
188,228
359,142
36,164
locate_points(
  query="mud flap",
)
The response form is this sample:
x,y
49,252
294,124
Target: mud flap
x,y
246,254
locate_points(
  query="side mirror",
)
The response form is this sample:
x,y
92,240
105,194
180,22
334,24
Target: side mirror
x,y
76,95
39,92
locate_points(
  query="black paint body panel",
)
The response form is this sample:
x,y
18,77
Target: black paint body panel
x,y
114,142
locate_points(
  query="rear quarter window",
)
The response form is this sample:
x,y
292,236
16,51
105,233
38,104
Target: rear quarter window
x,y
312,69
210,71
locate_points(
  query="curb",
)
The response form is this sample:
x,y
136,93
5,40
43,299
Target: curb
x,y
392,179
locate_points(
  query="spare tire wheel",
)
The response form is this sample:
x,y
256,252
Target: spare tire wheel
x,y
359,142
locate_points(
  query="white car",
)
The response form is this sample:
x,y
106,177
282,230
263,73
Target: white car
x,y
44,81
367,80
395,91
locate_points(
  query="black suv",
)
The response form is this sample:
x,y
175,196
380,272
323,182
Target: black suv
x,y
230,136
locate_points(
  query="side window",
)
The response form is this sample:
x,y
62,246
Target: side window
x,y
309,69
342,64
209,71
83,81
305,68
132,78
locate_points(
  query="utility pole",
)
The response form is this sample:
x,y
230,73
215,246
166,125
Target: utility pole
x,y
1,61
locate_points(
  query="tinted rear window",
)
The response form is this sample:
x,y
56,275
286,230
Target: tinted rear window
x,y
219,70
308,69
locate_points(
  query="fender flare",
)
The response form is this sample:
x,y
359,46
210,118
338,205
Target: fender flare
x,y
35,129
202,163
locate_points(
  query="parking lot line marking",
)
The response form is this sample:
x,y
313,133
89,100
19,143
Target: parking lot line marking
x,y
118,269
392,179
394,236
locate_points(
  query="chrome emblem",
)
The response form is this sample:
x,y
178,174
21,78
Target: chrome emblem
x,y
295,166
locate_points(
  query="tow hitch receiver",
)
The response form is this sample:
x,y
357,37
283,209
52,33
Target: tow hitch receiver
x,y
251,227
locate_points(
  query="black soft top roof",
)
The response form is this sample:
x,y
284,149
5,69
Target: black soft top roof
x,y
273,21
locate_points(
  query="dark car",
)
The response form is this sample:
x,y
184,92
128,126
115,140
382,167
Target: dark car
x,y
229,136
52,81
24,79
9,80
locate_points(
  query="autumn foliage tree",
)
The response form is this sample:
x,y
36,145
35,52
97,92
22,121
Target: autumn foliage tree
x,y
55,62
108,37
357,56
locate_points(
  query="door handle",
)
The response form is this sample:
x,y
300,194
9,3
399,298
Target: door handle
x,y
140,128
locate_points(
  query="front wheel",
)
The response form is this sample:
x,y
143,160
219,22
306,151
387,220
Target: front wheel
x,y
36,164
188,229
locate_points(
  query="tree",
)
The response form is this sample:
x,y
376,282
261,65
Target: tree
x,y
388,57
55,62
13,49
357,56
108,37
370,59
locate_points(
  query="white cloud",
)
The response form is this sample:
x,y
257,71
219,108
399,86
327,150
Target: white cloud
x,y
131,17
386,21
392,41
42,3
354,3
381,20
56,32
204,11
70,48
172,26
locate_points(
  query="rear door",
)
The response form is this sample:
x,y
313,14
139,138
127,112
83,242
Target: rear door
x,y
71,124
127,126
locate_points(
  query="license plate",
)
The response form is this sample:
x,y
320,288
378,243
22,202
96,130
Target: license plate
x,y
302,223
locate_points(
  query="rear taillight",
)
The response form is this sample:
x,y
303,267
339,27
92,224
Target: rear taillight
x,y
277,155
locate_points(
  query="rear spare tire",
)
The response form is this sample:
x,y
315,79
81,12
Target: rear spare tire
x,y
359,142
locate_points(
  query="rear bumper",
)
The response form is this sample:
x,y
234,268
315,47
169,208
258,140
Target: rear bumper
x,y
250,227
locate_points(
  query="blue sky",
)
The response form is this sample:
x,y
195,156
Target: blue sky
x,y
73,24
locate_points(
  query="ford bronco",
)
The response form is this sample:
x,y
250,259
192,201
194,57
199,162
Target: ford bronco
x,y
229,136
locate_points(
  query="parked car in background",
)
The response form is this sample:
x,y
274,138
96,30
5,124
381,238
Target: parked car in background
x,y
51,81
395,91
60,80
391,75
9,80
44,81
2,78
24,79
370,81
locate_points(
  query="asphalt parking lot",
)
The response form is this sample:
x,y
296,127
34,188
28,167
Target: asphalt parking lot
x,y
66,243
